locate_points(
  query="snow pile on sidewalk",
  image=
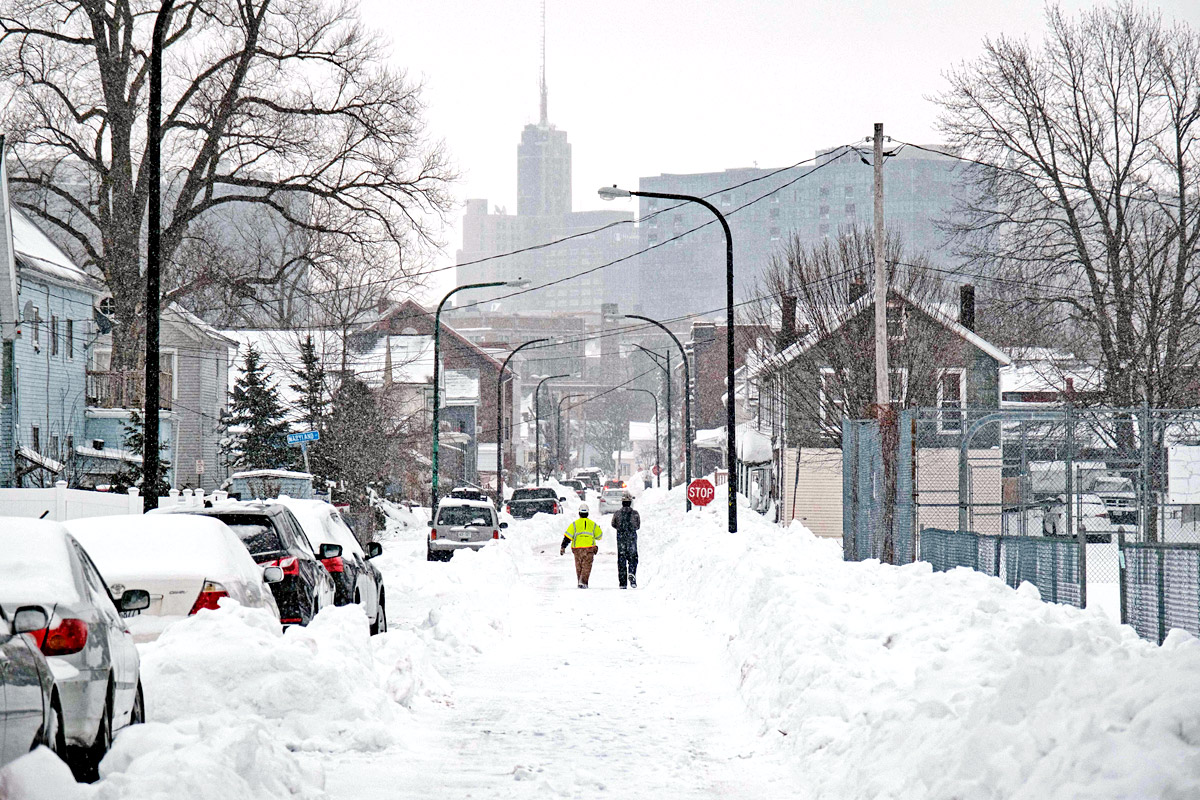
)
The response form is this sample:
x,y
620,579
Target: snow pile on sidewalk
x,y
899,682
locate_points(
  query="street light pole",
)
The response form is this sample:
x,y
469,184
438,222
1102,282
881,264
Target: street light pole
x,y
437,360
150,460
609,193
687,401
558,448
657,458
670,446
537,427
500,419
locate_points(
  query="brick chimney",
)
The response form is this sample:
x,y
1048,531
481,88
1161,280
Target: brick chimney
x,y
787,327
858,288
966,306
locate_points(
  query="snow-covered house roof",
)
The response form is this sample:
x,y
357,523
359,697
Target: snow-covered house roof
x,y
862,304
35,250
641,431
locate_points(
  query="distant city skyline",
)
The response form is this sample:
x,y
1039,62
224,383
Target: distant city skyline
x,y
683,87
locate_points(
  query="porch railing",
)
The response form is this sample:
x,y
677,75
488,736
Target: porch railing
x,y
125,389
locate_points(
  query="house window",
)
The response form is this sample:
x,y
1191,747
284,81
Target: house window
x,y
774,213
898,385
774,234
831,399
824,212
897,322
37,438
53,334
54,445
850,209
35,323
951,394
726,199
70,444
70,338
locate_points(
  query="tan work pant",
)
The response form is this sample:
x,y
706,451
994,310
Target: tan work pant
x,y
583,562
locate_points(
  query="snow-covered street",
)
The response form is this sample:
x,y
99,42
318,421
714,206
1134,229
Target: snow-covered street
x,y
598,691
755,665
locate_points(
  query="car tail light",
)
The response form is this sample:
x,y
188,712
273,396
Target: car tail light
x,y
495,534
291,621
210,593
334,564
508,507
69,636
555,509
432,533
289,565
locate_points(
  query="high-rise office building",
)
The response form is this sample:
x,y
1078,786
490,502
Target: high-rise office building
x,y
812,202
543,215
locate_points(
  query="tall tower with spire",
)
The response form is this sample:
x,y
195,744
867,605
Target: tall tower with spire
x,y
543,159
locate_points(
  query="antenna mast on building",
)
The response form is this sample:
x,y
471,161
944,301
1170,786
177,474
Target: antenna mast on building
x,y
545,117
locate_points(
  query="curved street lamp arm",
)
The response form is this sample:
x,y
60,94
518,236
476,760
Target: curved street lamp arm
x,y
500,418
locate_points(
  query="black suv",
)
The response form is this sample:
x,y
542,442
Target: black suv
x,y
275,539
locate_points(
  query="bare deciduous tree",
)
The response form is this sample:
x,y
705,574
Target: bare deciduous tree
x,y
276,104
1093,206
837,378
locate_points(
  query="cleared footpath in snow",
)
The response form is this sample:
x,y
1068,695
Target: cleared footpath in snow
x,y
591,692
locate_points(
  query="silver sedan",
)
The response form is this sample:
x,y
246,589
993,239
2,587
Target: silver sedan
x,y
86,643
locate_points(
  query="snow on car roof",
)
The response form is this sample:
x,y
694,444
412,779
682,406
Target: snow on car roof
x,y
35,560
126,548
462,501
320,522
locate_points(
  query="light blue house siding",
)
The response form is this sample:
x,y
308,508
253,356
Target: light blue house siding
x,y
44,361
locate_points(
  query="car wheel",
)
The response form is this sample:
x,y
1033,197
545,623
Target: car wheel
x,y
85,761
380,623
138,715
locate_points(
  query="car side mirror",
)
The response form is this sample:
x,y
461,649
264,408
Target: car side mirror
x,y
374,549
562,499
503,525
29,619
134,600
329,551
431,524
272,575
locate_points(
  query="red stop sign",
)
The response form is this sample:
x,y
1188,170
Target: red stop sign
x,y
655,469
700,492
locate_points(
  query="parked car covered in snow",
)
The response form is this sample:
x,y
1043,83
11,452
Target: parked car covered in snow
x,y
462,525
30,709
1091,516
355,578
85,641
275,539
186,562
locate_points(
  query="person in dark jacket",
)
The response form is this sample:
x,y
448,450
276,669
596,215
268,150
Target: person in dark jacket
x,y
626,523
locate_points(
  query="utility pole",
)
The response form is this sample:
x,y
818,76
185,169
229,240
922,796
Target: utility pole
x,y
883,394
150,461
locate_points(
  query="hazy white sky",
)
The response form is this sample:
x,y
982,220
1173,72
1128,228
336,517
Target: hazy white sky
x,y
644,87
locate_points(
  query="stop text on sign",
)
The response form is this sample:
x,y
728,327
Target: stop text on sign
x,y
701,492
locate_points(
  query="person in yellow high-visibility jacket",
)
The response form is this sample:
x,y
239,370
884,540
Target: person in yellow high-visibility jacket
x,y
582,535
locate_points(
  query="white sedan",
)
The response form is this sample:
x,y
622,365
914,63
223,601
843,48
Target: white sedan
x,y
89,650
186,562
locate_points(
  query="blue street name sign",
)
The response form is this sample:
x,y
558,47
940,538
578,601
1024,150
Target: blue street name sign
x,y
305,436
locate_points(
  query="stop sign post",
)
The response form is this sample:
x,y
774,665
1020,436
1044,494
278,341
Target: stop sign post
x,y
701,492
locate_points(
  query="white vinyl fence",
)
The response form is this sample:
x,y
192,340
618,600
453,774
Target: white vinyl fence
x,y
61,504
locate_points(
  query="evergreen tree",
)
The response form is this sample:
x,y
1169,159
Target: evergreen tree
x,y
313,405
255,425
357,449
312,410
131,474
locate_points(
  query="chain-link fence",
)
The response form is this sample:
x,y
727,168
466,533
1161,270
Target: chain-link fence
x,y
1160,587
1044,494
1049,563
